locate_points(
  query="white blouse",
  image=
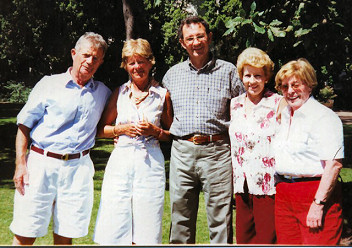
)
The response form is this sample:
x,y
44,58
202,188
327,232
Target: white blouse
x,y
314,133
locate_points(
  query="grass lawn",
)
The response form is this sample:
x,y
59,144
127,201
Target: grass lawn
x,y
100,155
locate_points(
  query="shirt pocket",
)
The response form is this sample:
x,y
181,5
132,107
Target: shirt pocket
x,y
218,101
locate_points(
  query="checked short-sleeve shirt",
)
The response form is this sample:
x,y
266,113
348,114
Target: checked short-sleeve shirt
x,y
201,98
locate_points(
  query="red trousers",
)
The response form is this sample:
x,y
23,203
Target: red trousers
x,y
292,204
255,221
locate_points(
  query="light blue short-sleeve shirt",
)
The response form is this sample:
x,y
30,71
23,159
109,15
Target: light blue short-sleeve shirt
x,y
63,116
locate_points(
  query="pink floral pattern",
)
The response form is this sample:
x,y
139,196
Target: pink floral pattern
x,y
251,144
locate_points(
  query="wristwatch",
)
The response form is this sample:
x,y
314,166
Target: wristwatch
x,y
319,202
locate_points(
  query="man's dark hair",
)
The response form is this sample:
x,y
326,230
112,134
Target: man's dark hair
x,y
192,19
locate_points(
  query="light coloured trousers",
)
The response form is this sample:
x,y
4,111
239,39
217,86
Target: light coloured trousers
x,y
132,198
194,168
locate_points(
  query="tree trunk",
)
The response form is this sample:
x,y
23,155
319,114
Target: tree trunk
x,y
135,19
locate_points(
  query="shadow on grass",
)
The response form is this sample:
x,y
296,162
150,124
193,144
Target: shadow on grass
x,y
100,158
166,149
8,131
7,154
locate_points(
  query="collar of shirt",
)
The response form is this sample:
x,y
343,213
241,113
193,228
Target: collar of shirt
x,y
152,89
70,83
206,68
305,110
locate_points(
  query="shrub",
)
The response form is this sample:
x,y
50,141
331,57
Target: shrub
x,y
326,94
17,92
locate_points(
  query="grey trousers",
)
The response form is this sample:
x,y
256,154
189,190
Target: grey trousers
x,y
194,168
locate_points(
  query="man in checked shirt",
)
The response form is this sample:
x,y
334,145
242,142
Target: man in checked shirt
x,y
201,89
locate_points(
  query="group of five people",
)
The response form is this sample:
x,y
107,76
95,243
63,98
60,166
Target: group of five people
x,y
279,155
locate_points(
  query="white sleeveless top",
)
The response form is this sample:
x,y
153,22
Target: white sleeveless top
x,y
150,109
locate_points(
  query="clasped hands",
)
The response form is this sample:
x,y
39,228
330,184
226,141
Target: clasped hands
x,y
140,128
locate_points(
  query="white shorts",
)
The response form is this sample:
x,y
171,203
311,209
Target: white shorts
x,y
132,198
60,188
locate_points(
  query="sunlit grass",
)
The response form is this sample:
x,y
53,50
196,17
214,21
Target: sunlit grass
x,y
6,206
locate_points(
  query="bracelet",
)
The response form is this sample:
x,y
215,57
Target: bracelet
x,y
113,131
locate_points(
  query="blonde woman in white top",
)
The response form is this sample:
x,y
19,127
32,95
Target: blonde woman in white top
x,y
309,152
132,199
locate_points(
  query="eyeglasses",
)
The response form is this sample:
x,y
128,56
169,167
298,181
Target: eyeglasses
x,y
294,86
191,39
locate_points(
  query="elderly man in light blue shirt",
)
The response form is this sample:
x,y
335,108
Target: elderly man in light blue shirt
x,y
59,123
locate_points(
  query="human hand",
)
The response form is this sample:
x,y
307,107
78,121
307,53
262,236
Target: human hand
x,y
315,215
130,130
146,128
21,178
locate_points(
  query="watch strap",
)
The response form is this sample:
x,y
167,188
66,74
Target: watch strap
x,y
319,202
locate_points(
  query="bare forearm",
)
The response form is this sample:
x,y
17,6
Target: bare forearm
x,y
164,135
328,180
132,130
22,141
20,177
110,131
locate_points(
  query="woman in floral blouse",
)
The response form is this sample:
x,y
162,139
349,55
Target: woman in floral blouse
x,y
254,117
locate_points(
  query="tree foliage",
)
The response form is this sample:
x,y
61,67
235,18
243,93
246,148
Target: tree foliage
x,y
317,30
36,35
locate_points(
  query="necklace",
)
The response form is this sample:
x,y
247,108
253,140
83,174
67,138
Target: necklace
x,y
138,97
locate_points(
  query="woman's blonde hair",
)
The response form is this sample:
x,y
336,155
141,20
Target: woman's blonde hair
x,y
257,58
300,68
139,47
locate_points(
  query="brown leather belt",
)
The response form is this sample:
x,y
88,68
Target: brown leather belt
x,y
199,139
60,156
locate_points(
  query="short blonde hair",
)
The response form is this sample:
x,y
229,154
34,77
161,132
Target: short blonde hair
x,y
257,58
139,47
300,68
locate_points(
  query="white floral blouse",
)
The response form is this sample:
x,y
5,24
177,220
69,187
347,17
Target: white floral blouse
x,y
251,144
